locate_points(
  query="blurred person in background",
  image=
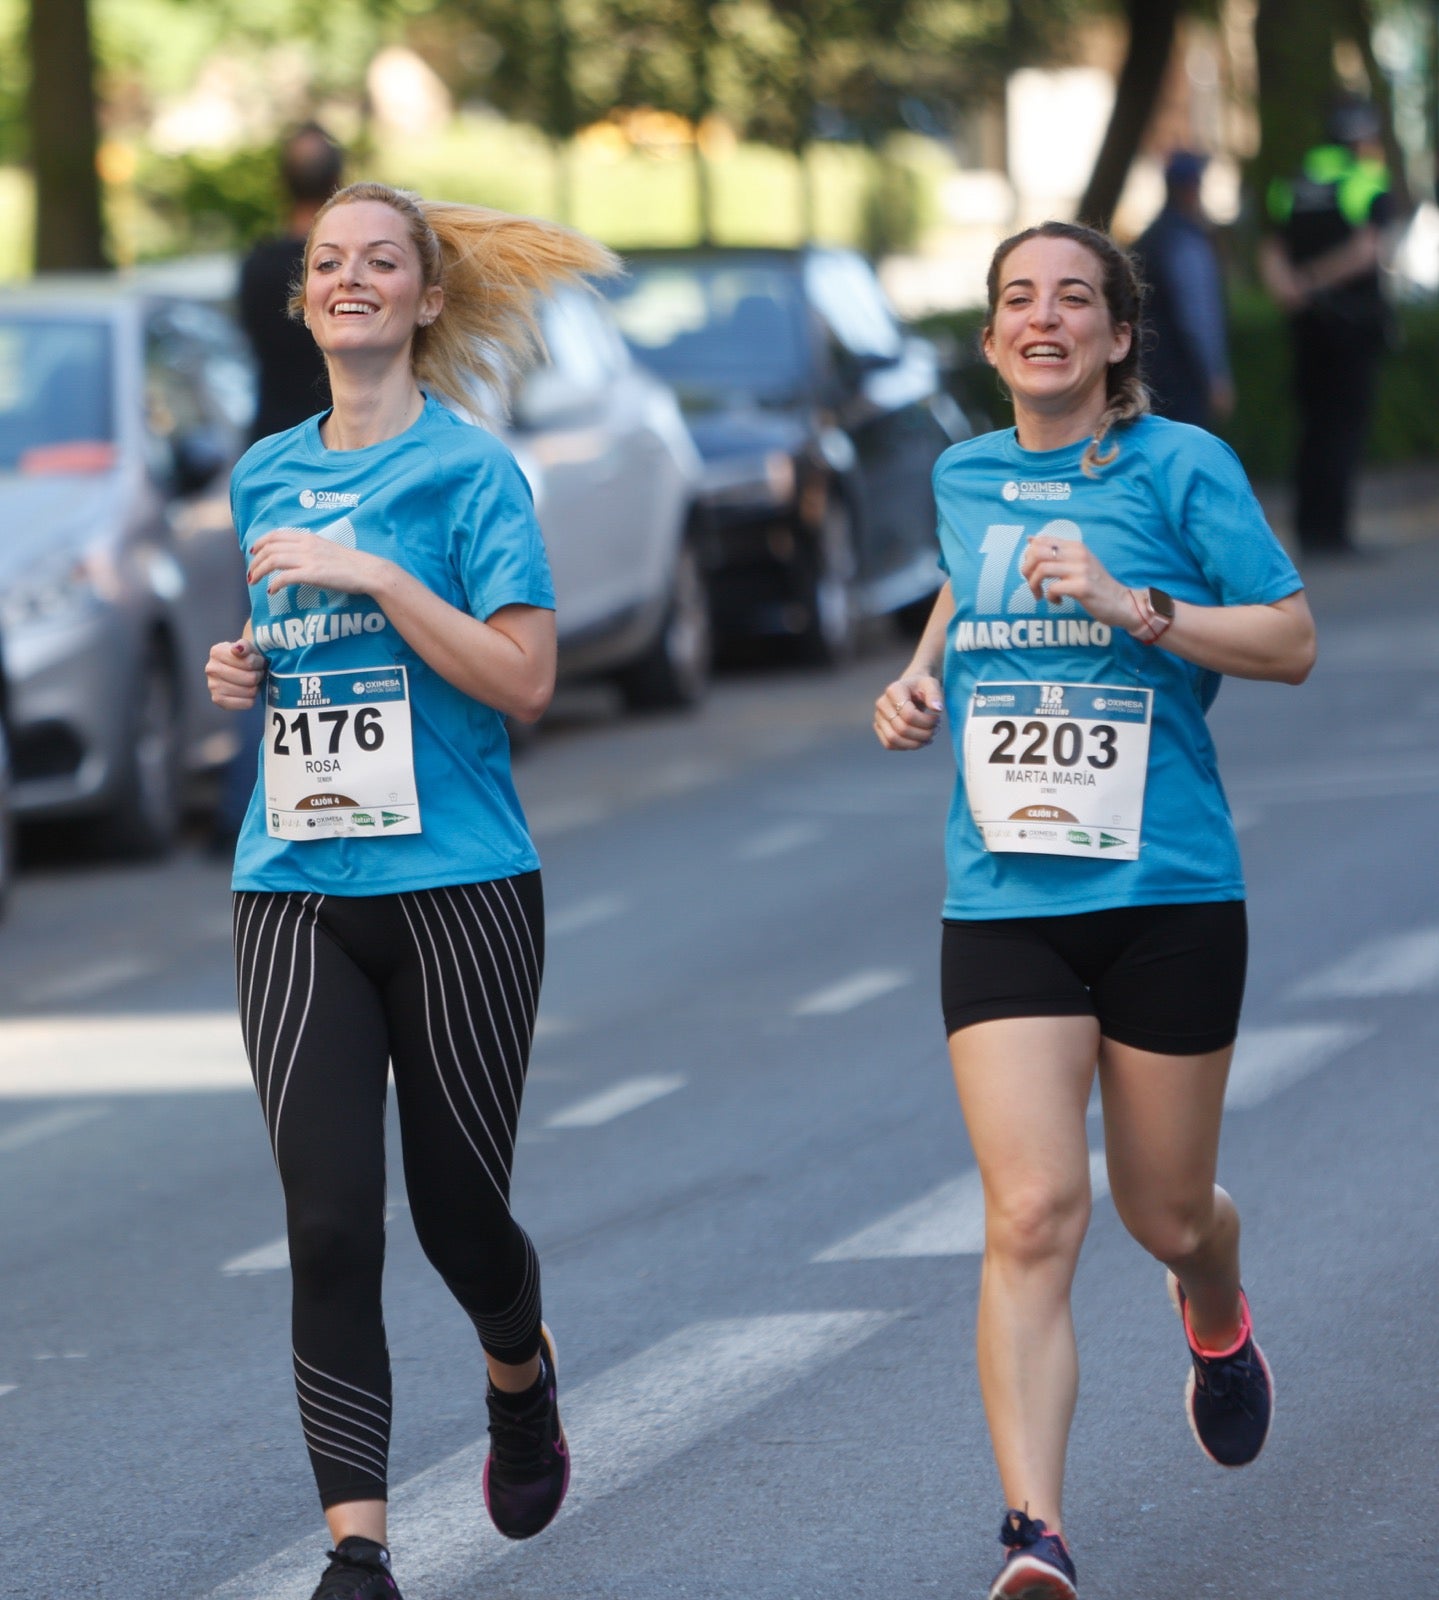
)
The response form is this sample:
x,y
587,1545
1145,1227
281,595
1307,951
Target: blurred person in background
x,y
1185,351
292,385
1321,261
292,379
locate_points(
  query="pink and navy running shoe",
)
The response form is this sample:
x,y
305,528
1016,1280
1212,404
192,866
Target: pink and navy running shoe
x,y
1038,1566
359,1569
528,1469
1229,1396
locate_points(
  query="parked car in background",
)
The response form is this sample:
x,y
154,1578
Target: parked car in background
x,y
7,813
819,418
121,412
615,476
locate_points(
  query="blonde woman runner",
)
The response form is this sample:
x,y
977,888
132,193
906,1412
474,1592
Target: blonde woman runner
x,y
387,902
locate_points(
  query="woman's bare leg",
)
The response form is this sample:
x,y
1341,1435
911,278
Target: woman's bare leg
x,y
1024,1086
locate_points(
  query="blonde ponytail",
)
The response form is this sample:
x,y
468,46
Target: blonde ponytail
x,y
493,268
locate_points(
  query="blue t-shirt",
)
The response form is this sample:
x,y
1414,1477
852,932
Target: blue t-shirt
x,y
446,501
1174,510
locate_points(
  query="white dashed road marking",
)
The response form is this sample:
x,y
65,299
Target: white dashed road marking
x,y
1405,963
81,982
44,1058
622,1426
948,1221
1268,1061
778,841
851,992
614,1102
34,1130
586,914
275,1256
272,1257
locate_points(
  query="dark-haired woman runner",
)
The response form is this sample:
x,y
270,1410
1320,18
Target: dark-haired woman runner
x,y
388,911
1105,568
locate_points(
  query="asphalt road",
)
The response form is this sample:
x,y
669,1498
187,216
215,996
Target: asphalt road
x,y
744,1167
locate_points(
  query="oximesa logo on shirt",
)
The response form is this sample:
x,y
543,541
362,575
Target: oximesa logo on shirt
x,y
1016,490
327,498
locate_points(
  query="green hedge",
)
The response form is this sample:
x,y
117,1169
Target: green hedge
x,y
1406,423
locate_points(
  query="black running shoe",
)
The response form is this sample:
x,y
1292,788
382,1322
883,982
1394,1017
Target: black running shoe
x,y
1229,1397
1038,1566
528,1469
359,1569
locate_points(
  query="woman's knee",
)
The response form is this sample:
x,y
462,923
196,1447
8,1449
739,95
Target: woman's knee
x,y
1036,1225
1173,1231
330,1246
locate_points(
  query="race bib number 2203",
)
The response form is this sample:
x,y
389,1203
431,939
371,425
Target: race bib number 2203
x,y
1058,768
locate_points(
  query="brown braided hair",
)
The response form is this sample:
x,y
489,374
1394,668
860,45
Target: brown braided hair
x,y
493,267
1124,388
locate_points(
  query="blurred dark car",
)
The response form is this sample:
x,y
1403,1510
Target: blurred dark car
x,y
819,418
7,815
615,476
121,412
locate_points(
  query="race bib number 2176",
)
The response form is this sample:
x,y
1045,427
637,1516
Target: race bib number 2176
x,y
339,761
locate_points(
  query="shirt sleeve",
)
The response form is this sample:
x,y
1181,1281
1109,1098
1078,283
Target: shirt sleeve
x,y
1224,527
501,558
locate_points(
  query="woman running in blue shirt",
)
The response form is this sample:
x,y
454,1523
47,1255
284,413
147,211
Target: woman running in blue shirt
x,y
1104,569
387,905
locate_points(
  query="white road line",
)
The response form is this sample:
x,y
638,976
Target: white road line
x,y
48,1126
564,816
778,841
1268,1061
614,1102
8,1388
1357,781
586,914
948,1221
622,1426
81,982
1406,963
272,1257
275,1256
853,991
44,1058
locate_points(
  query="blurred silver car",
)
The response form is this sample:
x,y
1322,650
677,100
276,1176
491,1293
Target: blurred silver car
x,y
616,476
121,411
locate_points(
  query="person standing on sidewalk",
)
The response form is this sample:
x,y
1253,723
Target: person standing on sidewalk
x,y
1321,262
1186,348
387,903
292,385
1104,568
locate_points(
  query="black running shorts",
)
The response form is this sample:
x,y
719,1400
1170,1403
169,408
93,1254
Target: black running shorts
x,y
1163,978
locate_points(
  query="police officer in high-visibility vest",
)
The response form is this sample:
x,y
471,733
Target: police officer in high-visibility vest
x,y
1322,263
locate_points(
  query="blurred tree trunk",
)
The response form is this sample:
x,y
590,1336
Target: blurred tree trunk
x,y
63,137
704,106
1294,43
1356,18
562,120
1152,25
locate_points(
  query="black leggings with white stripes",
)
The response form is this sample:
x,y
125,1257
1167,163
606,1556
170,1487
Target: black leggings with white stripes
x,y
442,984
